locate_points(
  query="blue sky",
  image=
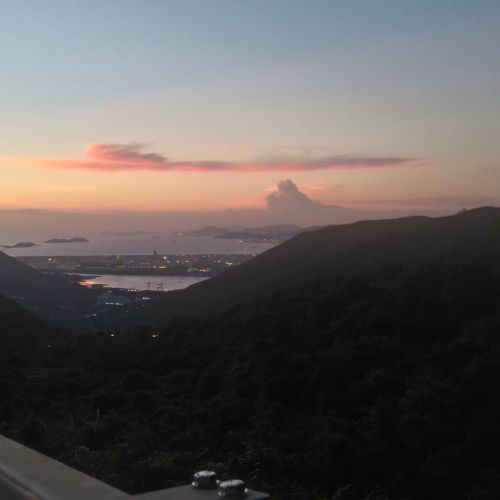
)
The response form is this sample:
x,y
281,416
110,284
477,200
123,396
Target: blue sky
x,y
241,81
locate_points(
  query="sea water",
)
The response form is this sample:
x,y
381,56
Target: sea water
x,y
166,243
141,282
146,244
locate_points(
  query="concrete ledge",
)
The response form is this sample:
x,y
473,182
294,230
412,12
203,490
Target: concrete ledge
x,y
190,493
26,474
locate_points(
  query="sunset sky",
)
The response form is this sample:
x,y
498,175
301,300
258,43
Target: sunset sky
x,y
208,105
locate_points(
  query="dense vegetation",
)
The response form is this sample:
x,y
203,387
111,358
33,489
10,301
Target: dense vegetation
x,y
54,298
22,333
376,384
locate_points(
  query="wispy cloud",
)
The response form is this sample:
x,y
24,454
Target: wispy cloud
x,y
22,211
132,157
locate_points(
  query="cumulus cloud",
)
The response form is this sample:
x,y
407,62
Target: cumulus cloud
x,y
132,157
288,197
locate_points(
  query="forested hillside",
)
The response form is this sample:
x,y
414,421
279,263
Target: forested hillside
x,y
19,329
349,385
335,251
52,297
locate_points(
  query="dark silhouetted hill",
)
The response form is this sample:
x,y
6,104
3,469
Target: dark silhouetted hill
x,y
51,297
16,320
334,251
21,331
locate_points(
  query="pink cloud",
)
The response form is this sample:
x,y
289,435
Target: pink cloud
x,y
131,157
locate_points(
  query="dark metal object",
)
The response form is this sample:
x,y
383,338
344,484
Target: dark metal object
x,y
235,488
205,480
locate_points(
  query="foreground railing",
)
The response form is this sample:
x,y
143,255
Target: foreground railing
x,y
28,475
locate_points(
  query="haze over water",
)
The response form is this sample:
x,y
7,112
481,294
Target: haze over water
x,y
167,243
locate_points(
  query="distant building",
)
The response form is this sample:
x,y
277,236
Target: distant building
x,y
155,260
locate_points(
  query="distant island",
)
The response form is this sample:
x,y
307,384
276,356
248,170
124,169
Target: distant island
x,y
77,239
21,244
266,234
127,233
207,231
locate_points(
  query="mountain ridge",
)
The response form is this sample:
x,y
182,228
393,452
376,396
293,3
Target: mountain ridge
x,y
52,297
333,251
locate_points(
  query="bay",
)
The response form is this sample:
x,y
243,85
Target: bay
x,y
141,282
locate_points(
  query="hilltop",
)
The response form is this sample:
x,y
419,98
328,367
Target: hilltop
x,y
330,252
